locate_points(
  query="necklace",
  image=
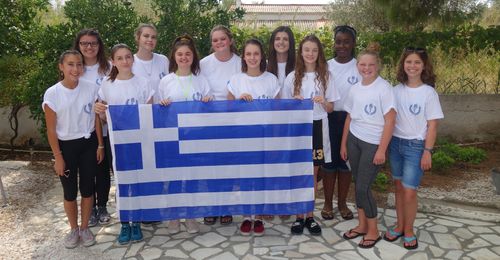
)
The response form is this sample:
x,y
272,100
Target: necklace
x,y
185,89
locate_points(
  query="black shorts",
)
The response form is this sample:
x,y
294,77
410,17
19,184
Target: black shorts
x,y
81,166
318,153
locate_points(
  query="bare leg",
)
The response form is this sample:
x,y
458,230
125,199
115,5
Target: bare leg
x,y
328,189
86,208
70,207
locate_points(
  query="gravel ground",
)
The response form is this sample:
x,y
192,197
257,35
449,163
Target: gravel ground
x,y
28,232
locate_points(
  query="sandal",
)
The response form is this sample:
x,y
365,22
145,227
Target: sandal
x,y
327,214
408,240
351,231
209,220
226,220
370,245
393,235
346,214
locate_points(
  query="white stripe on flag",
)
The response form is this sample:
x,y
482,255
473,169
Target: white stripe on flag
x,y
215,199
217,172
245,118
158,135
245,144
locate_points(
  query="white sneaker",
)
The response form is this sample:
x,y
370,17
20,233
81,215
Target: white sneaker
x,y
192,226
87,237
174,226
72,238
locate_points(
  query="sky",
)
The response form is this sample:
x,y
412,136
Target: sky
x,y
287,1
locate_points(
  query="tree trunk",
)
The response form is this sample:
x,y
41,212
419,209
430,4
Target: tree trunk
x,y
14,124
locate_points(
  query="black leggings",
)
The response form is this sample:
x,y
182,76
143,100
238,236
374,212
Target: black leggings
x,y
81,161
103,178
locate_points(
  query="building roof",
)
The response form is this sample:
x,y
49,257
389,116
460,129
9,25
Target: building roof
x,y
292,8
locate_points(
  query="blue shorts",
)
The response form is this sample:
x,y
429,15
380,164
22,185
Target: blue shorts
x,y
405,156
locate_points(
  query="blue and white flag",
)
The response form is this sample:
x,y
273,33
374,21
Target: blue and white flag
x,y
194,159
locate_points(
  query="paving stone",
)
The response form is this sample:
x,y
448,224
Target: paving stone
x,y
348,255
389,221
189,246
260,250
480,230
293,254
453,254
282,248
134,249
274,258
448,223
203,253
478,242
104,238
147,234
418,256
269,241
494,239
101,247
346,225
330,235
161,231
424,236
313,248
209,239
420,222
468,221
227,231
298,239
172,243
272,232
175,253
483,253
240,238
390,250
327,257
151,253
241,249
437,229
497,229
345,245
115,253
447,241
281,228
317,238
463,233
158,240
225,244
275,253
183,235
391,213
250,257
225,256
368,253
113,229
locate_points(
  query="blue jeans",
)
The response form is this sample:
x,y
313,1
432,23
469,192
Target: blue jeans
x,y
405,156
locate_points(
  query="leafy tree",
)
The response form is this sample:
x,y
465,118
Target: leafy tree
x,y
193,17
364,15
491,15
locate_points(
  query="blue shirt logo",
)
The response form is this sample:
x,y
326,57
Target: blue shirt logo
x,y
87,108
352,80
415,109
370,109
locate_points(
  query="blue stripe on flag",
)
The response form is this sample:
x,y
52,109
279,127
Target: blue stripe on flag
x,y
215,185
130,112
160,120
174,159
123,153
203,211
244,131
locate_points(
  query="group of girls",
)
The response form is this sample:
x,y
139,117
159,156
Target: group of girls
x,y
357,129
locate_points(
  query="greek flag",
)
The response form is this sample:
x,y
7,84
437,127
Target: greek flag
x,y
194,159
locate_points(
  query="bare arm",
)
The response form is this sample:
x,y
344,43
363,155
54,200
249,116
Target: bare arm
x,y
100,140
343,143
390,121
430,140
51,122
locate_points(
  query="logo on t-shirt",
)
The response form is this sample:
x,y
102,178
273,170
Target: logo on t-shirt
x,y
87,108
98,81
162,74
263,97
132,101
415,109
370,109
352,80
197,96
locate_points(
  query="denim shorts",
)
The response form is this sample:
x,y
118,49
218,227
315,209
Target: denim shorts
x,y
405,156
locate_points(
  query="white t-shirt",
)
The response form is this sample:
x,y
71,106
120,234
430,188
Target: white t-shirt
x,y
415,107
345,75
218,73
91,74
133,91
74,108
153,70
367,106
264,86
281,73
311,88
183,88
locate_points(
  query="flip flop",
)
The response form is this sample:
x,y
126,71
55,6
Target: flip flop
x,y
375,241
327,214
393,235
356,234
408,240
226,220
209,220
346,214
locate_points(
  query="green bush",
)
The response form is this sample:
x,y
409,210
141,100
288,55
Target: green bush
x,y
471,155
381,182
441,161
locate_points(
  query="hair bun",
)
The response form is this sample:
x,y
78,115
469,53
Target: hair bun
x,y
373,47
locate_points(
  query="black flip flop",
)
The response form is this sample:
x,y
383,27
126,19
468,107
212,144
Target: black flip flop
x,y
357,234
375,241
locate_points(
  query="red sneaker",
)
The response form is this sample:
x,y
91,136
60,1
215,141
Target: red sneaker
x,y
258,228
246,227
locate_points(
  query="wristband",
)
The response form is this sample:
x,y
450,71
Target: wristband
x,y
100,147
430,150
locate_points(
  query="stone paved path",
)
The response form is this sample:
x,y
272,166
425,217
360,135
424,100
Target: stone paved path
x,y
440,237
